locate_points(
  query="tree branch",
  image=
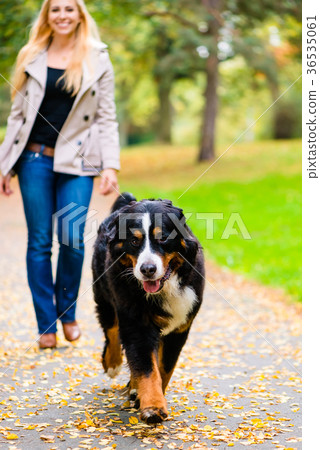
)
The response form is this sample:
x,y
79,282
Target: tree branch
x,y
213,12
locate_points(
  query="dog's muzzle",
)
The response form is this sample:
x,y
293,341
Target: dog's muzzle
x,y
154,286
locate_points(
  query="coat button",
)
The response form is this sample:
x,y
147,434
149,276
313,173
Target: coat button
x,y
93,93
27,93
86,118
16,141
24,120
79,142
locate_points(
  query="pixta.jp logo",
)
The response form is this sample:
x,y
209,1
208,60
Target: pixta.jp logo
x,y
70,222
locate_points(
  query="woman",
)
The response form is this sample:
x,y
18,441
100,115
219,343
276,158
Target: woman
x,y
62,131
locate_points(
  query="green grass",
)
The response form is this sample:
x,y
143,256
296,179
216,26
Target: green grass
x,y
261,182
269,209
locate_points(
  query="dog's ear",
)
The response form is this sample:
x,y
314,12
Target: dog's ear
x,y
111,230
124,199
191,247
108,228
112,223
191,244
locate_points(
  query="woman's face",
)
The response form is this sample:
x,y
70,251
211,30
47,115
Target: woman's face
x,y
63,17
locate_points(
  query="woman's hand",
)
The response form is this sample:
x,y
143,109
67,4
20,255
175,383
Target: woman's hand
x,y
109,182
5,185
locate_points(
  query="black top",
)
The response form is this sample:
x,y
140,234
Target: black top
x,y
55,107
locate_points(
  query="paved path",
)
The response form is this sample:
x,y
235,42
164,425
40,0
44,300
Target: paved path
x,y
237,382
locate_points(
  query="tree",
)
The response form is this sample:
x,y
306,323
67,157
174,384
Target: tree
x,y
176,58
269,51
212,19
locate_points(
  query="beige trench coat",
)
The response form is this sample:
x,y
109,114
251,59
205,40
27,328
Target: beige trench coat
x,y
88,141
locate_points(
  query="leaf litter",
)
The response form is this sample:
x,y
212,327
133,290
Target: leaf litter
x,y
231,388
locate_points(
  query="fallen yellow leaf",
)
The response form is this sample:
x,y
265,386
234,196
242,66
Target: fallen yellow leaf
x,y
12,436
133,420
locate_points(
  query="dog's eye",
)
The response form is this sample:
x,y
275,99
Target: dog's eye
x,y
135,242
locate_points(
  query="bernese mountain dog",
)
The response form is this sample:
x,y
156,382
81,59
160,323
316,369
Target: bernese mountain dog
x,y
148,273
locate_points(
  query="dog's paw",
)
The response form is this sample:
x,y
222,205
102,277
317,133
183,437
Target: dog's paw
x,y
111,363
112,355
113,371
133,394
153,415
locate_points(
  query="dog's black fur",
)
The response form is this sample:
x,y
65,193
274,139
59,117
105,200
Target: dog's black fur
x,y
148,287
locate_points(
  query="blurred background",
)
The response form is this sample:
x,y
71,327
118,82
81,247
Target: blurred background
x,y
194,84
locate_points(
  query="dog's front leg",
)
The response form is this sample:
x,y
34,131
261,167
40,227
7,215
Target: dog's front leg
x,y
152,402
141,347
169,351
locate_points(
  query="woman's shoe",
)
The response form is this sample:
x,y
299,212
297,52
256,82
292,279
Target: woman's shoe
x,y
71,331
48,340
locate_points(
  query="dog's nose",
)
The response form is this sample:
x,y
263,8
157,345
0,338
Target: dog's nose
x,y
148,269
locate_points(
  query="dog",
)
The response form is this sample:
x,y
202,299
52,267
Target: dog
x,y
148,281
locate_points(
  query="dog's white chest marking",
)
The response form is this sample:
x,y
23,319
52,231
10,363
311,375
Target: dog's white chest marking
x,y
177,302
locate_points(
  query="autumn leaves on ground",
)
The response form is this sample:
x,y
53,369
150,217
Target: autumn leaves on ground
x,y
238,380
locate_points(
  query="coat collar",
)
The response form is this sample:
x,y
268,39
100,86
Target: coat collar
x,y
90,74
37,69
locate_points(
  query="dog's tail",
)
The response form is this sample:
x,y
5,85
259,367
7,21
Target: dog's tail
x,y
124,199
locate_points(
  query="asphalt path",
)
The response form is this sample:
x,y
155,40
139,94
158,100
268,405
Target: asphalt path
x,y
237,382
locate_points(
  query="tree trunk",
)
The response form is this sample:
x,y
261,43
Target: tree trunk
x,y
207,148
165,112
284,116
275,92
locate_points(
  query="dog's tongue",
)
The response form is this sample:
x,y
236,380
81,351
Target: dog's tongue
x,y
151,286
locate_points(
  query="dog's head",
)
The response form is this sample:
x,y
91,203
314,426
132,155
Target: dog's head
x,y
151,237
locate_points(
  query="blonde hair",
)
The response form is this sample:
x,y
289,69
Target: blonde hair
x,y
41,37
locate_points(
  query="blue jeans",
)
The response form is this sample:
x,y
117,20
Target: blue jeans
x,y
49,196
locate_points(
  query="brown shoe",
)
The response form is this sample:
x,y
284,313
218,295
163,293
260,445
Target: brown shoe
x,y
48,340
71,331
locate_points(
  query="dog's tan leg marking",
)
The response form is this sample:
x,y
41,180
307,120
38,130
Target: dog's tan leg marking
x,y
152,402
113,357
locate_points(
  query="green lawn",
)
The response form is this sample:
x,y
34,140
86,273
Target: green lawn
x,y
260,182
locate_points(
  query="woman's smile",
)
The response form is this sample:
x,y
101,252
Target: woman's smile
x,y
63,16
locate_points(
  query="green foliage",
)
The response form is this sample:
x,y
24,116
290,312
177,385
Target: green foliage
x,y
15,20
2,133
159,42
5,103
172,34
